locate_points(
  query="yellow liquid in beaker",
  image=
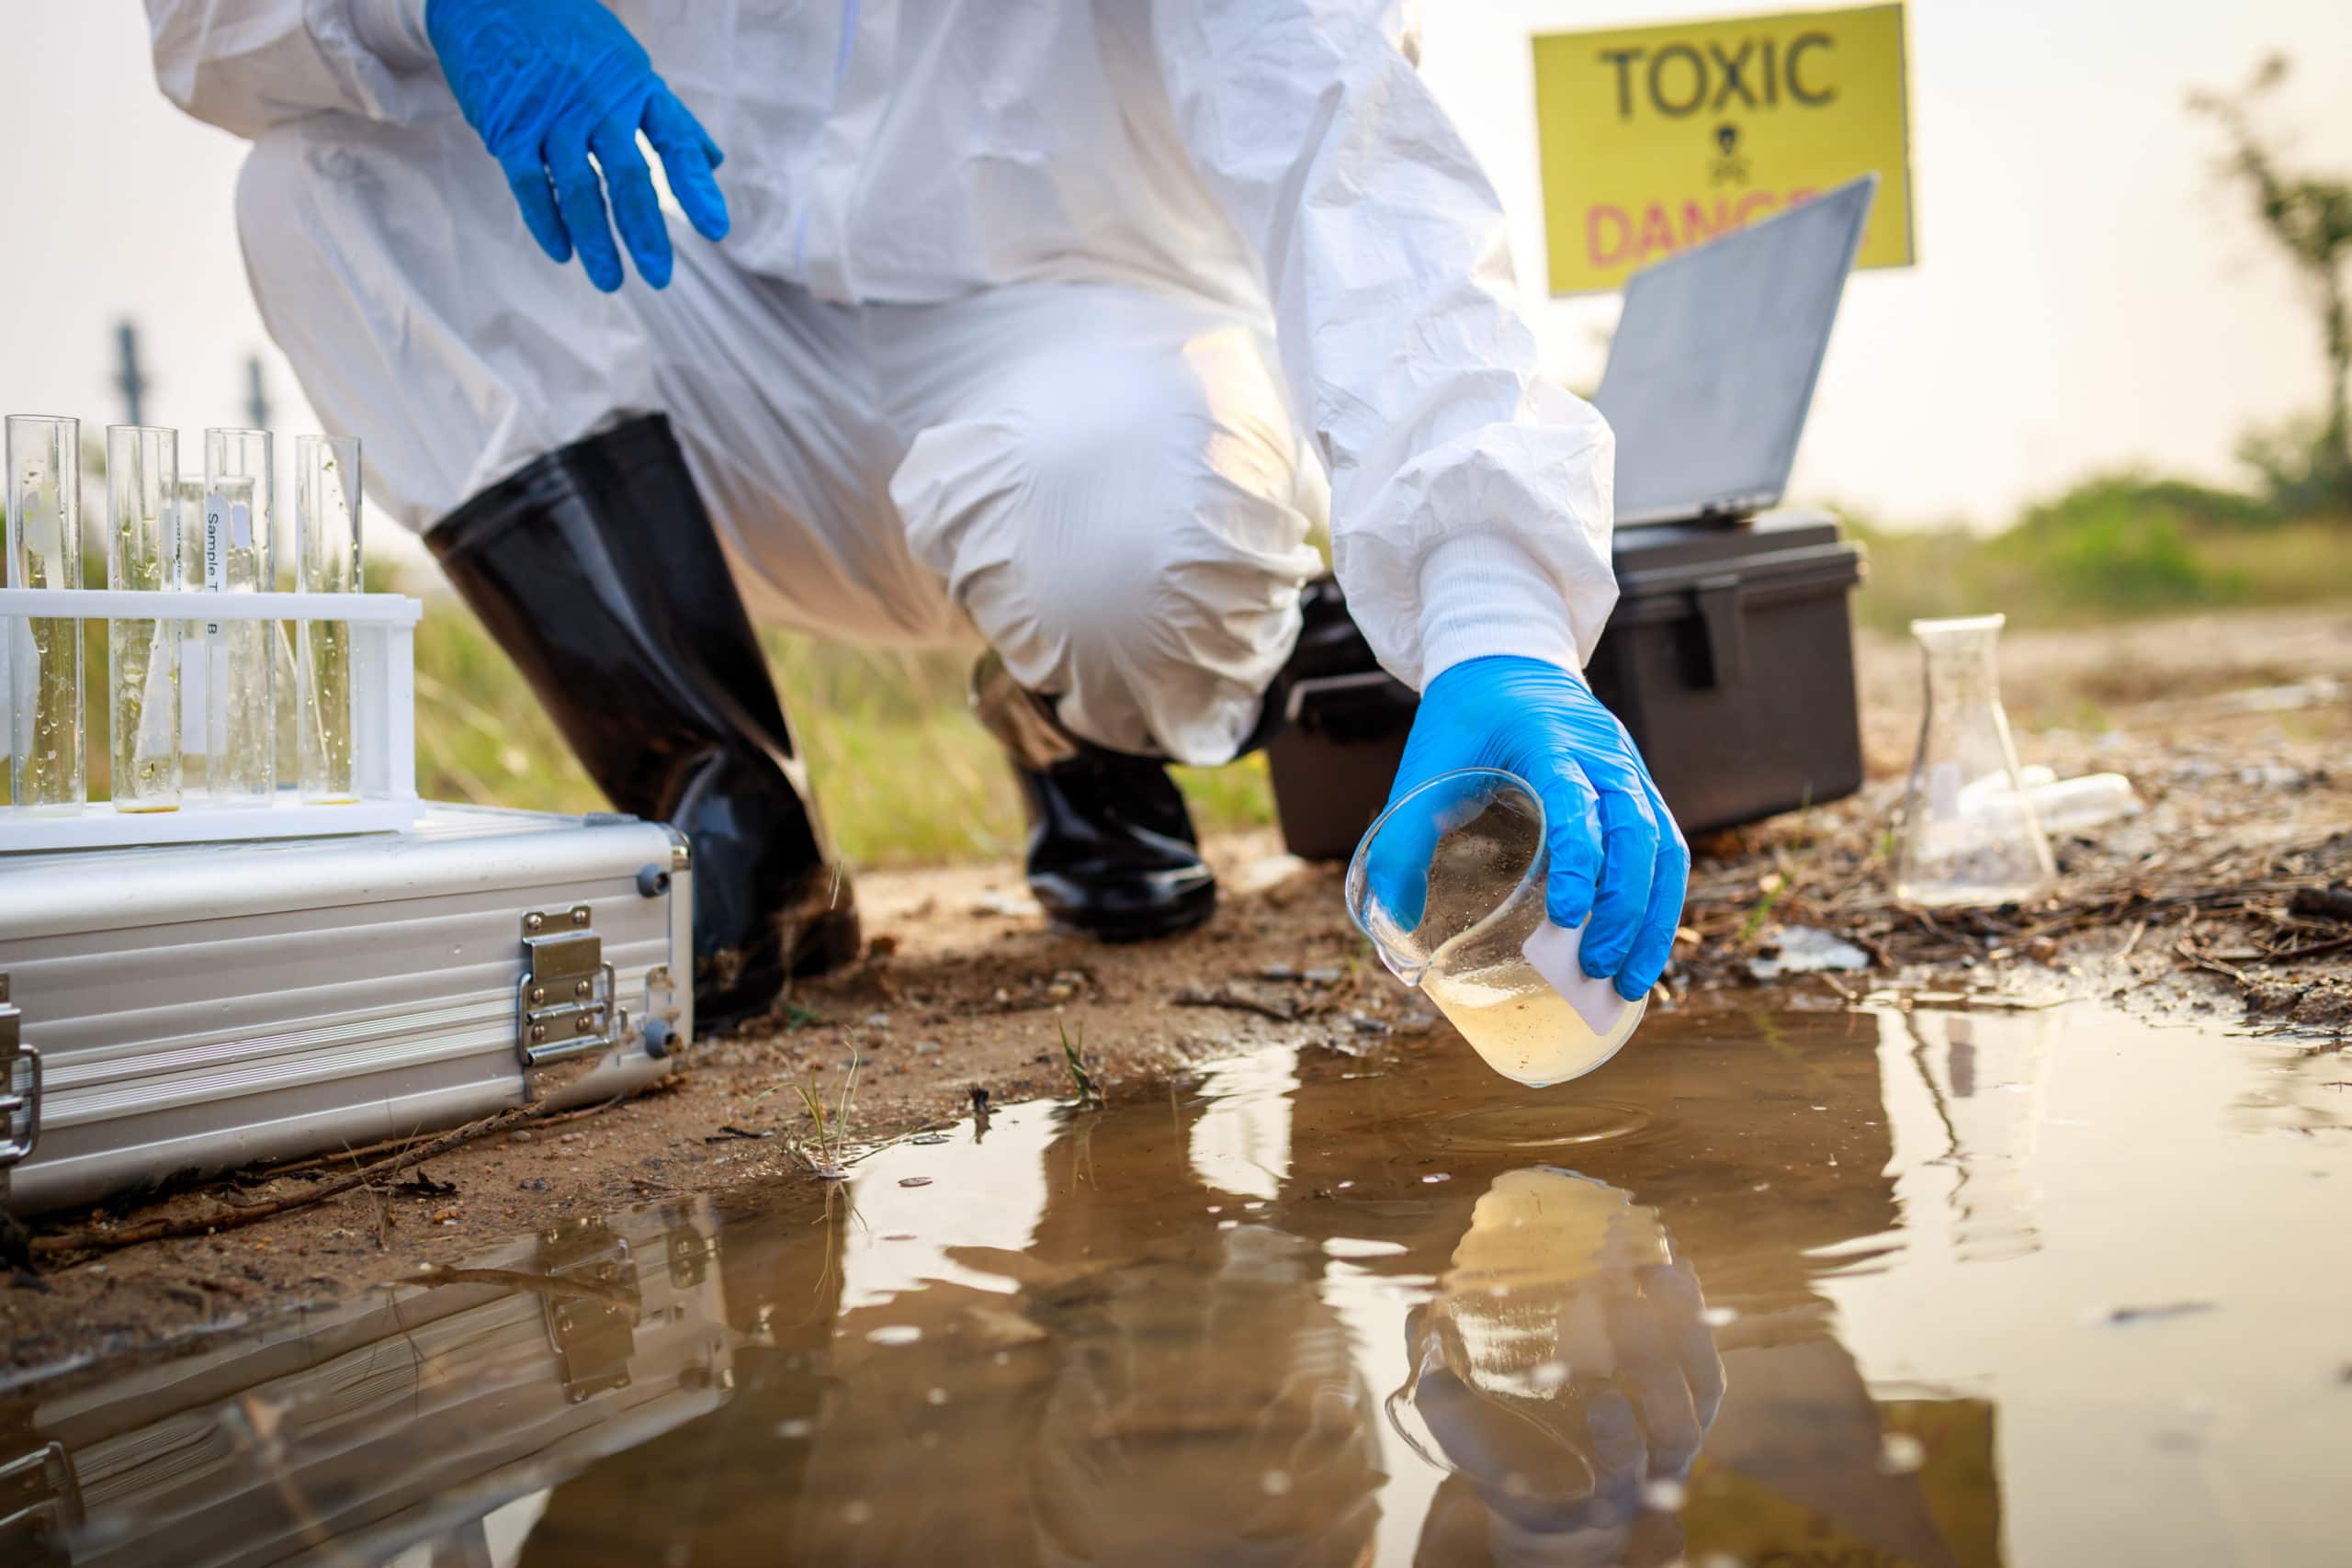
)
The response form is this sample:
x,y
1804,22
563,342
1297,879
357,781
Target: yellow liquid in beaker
x,y
1524,1029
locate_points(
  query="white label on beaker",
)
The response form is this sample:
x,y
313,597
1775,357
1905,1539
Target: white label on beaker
x,y
1943,792
1554,953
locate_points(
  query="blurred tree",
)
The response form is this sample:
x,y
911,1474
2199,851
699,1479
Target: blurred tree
x,y
2310,215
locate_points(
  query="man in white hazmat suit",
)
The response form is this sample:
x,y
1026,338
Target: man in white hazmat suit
x,y
1061,321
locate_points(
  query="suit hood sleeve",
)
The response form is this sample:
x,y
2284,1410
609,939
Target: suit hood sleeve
x,y
246,65
1471,495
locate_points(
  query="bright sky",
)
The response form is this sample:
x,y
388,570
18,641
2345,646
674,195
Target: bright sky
x,y
2086,295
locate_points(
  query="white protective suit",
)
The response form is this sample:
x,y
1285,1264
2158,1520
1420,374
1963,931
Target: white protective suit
x,y
1064,321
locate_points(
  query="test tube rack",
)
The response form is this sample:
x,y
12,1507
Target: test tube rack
x,y
383,675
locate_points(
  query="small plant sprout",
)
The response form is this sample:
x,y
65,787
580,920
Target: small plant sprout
x,y
1088,1094
826,1151
1773,885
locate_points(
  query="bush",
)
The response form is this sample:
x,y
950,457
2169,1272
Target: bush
x,y
2119,545
2301,468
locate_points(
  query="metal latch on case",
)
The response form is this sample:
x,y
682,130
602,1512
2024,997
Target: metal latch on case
x,y
567,1003
19,1107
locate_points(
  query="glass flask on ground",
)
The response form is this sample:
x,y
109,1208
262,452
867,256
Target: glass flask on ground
x,y
1970,835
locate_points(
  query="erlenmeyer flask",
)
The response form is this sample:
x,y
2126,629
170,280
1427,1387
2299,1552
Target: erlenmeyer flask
x,y
1968,831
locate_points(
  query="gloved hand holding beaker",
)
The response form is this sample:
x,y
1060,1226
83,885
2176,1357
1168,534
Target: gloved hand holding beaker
x,y
1616,854
551,83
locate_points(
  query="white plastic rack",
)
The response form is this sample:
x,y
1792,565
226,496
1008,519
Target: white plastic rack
x,y
383,675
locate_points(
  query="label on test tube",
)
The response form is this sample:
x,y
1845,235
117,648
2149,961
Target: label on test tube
x,y
1554,952
216,551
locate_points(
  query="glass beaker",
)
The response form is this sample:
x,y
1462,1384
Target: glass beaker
x,y
1449,885
143,656
46,771
241,703
1970,835
326,560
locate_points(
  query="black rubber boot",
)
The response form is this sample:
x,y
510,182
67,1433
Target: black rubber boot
x,y
597,570
1110,848
1111,852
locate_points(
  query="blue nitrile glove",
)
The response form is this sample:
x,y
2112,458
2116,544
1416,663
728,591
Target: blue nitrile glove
x,y
1616,854
548,83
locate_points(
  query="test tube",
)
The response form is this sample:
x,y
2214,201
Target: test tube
x,y
46,769
241,696
143,654
326,560
194,676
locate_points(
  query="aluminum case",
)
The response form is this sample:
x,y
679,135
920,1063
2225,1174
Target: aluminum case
x,y
187,1010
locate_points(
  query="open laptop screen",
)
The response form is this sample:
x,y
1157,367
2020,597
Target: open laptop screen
x,y
1711,371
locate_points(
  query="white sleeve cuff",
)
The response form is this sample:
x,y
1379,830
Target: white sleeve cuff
x,y
1482,594
393,31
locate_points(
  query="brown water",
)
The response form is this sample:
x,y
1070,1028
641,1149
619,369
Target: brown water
x,y
1775,1290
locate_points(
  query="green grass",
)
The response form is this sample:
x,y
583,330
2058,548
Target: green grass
x,y
902,773
2108,549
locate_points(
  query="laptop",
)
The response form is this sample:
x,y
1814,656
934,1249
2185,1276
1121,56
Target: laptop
x,y
1711,371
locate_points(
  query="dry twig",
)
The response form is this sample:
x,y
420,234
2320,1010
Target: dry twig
x,y
2189,951
222,1217
1234,1002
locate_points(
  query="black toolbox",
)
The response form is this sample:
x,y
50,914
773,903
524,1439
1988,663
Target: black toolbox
x,y
1729,658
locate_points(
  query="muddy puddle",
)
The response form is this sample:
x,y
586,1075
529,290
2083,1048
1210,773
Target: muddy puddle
x,y
1777,1289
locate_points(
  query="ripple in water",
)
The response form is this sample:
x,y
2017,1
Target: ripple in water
x,y
1524,1128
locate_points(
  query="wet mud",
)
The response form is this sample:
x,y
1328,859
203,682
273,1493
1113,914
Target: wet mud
x,y
1879,1286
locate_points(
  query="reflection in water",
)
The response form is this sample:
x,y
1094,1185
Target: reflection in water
x,y
1986,1075
1565,1375
410,1417
1298,1315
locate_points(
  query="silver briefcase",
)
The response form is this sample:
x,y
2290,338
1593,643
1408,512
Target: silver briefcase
x,y
191,1008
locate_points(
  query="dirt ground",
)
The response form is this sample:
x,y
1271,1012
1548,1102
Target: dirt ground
x,y
2214,903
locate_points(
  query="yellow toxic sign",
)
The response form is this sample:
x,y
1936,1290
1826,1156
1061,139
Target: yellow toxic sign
x,y
1658,138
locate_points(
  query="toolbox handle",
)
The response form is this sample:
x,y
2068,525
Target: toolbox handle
x,y
1721,604
1351,708
14,1050
15,1149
